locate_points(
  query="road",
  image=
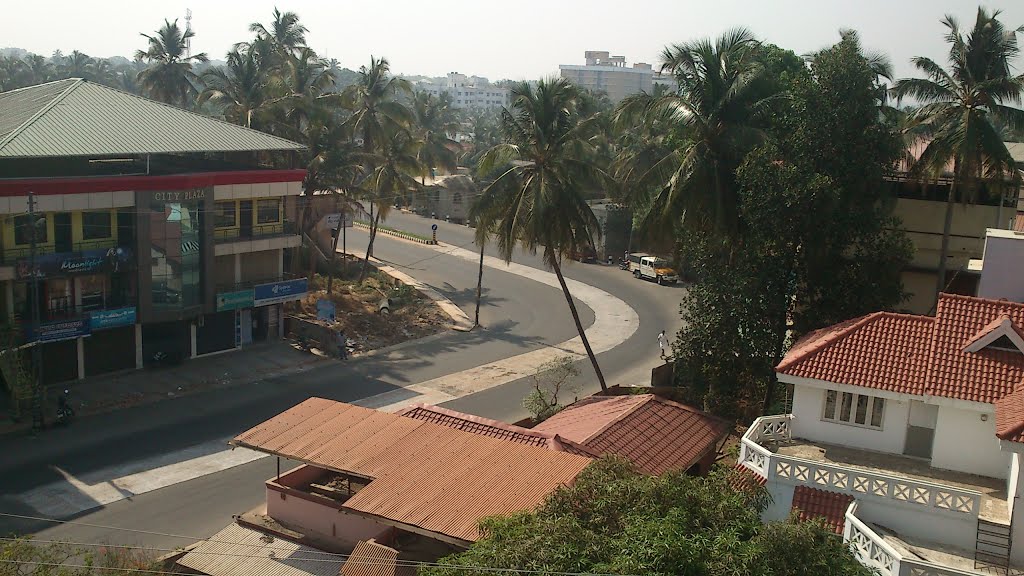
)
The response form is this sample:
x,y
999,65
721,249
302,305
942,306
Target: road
x,y
518,315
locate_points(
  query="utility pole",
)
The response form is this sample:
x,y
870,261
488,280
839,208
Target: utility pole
x,y
38,421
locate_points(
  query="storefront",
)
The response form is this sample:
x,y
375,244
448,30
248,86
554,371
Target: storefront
x,y
268,300
111,346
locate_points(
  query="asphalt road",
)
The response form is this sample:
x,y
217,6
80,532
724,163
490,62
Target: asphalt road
x,y
518,315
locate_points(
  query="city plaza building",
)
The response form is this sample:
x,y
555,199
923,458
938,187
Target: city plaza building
x,y
160,233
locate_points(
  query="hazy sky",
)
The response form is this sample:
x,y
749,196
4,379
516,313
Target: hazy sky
x,y
518,40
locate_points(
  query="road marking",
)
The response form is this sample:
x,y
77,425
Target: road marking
x,y
614,322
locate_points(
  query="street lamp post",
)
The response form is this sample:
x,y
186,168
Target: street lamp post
x,y
38,420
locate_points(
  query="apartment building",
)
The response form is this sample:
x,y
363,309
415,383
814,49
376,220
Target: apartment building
x,y
469,92
609,74
160,234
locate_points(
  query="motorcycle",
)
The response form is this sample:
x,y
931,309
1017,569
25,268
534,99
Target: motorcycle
x,y
623,264
65,413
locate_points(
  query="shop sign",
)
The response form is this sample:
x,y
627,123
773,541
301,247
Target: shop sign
x,y
325,310
100,319
276,292
104,260
62,330
234,300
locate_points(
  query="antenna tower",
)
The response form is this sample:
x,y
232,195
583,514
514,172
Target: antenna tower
x,y
188,28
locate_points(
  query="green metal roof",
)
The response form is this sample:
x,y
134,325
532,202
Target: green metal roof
x,y
76,117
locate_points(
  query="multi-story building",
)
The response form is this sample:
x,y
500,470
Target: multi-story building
x,y
609,74
469,92
906,432
159,233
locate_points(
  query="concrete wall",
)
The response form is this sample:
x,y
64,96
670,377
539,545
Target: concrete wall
x,y
1004,259
808,406
954,529
923,221
321,519
963,442
1016,487
259,265
224,270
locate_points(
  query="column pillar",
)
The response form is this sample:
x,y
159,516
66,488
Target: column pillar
x,y
138,346
280,262
238,267
192,337
9,299
80,344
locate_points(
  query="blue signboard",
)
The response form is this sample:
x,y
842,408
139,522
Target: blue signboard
x,y
277,292
101,319
325,310
234,300
103,260
62,330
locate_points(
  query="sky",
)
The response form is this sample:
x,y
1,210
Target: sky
x,y
525,39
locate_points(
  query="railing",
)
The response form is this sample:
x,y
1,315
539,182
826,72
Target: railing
x,y
286,228
874,552
855,482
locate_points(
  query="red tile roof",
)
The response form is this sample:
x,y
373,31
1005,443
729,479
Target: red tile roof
x,y
494,429
742,478
373,559
655,434
422,475
812,503
915,355
1010,416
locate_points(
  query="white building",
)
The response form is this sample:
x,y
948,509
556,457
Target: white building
x,y
609,74
907,432
469,92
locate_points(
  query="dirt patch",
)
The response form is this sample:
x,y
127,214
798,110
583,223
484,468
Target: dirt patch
x,y
410,315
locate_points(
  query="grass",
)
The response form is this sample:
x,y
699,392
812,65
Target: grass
x,y
389,229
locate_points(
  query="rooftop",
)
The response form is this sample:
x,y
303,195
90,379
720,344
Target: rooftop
x,y
656,434
75,117
241,551
369,558
417,469
815,504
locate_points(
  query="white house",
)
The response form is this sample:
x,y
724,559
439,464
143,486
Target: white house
x,y
920,420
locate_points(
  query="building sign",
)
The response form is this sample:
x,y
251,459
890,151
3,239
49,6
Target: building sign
x,y
234,300
325,310
277,292
180,195
62,330
100,319
338,220
103,260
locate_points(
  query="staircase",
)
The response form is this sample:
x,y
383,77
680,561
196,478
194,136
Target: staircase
x,y
993,545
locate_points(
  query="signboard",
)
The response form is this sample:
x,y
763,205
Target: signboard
x,y
101,319
335,221
103,260
62,330
277,292
325,310
234,300
433,227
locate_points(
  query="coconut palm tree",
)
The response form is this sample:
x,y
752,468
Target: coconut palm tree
x,y
285,31
435,121
959,109
375,104
239,88
714,119
305,81
537,201
169,77
77,65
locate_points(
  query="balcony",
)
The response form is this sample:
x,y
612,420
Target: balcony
x,y
272,230
10,256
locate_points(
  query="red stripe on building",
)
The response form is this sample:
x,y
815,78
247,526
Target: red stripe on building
x,y
83,185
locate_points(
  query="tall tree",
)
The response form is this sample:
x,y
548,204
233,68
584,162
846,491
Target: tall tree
x,y
960,107
435,122
285,31
169,76
77,65
376,105
550,166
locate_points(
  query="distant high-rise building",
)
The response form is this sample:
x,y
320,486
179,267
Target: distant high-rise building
x,y
468,92
609,74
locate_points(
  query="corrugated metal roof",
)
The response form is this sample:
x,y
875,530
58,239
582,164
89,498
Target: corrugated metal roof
x,y
240,551
1016,150
494,429
655,434
373,559
424,475
76,117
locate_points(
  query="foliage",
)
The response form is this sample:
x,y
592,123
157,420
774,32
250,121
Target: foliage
x,y
817,246
551,378
22,556
614,520
169,77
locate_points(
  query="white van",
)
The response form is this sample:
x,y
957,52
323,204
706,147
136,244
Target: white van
x,y
654,268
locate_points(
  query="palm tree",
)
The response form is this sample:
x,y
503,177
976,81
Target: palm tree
x,y
959,109
285,31
396,167
77,65
537,200
239,88
42,71
714,118
169,77
305,81
435,120
375,104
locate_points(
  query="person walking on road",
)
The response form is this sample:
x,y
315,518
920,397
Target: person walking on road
x,y
661,342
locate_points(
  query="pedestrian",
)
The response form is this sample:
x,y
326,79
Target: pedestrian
x,y
661,343
342,346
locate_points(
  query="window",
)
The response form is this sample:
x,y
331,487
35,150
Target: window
x,y
23,227
857,409
225,215
268,211
96,225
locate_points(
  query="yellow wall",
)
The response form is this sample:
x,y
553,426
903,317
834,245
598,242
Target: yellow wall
x,y
923,220
8,235
238,215
78,234
9,246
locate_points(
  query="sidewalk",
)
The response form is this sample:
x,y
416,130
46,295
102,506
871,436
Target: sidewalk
x,y
134,387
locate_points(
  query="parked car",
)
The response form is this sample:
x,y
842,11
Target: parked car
x,y
633,261
654,268
585,254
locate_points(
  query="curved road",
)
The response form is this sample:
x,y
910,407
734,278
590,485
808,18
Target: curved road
x,y
519,315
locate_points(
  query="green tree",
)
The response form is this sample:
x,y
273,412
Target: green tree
x,y
285,31
959,109
169,76
77,65
375,104
613,520
240,89
435,122
550,165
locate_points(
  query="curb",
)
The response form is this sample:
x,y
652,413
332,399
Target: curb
x,y
395,233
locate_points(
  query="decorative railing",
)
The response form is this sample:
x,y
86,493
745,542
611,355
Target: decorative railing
x,y
874,552
855,482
